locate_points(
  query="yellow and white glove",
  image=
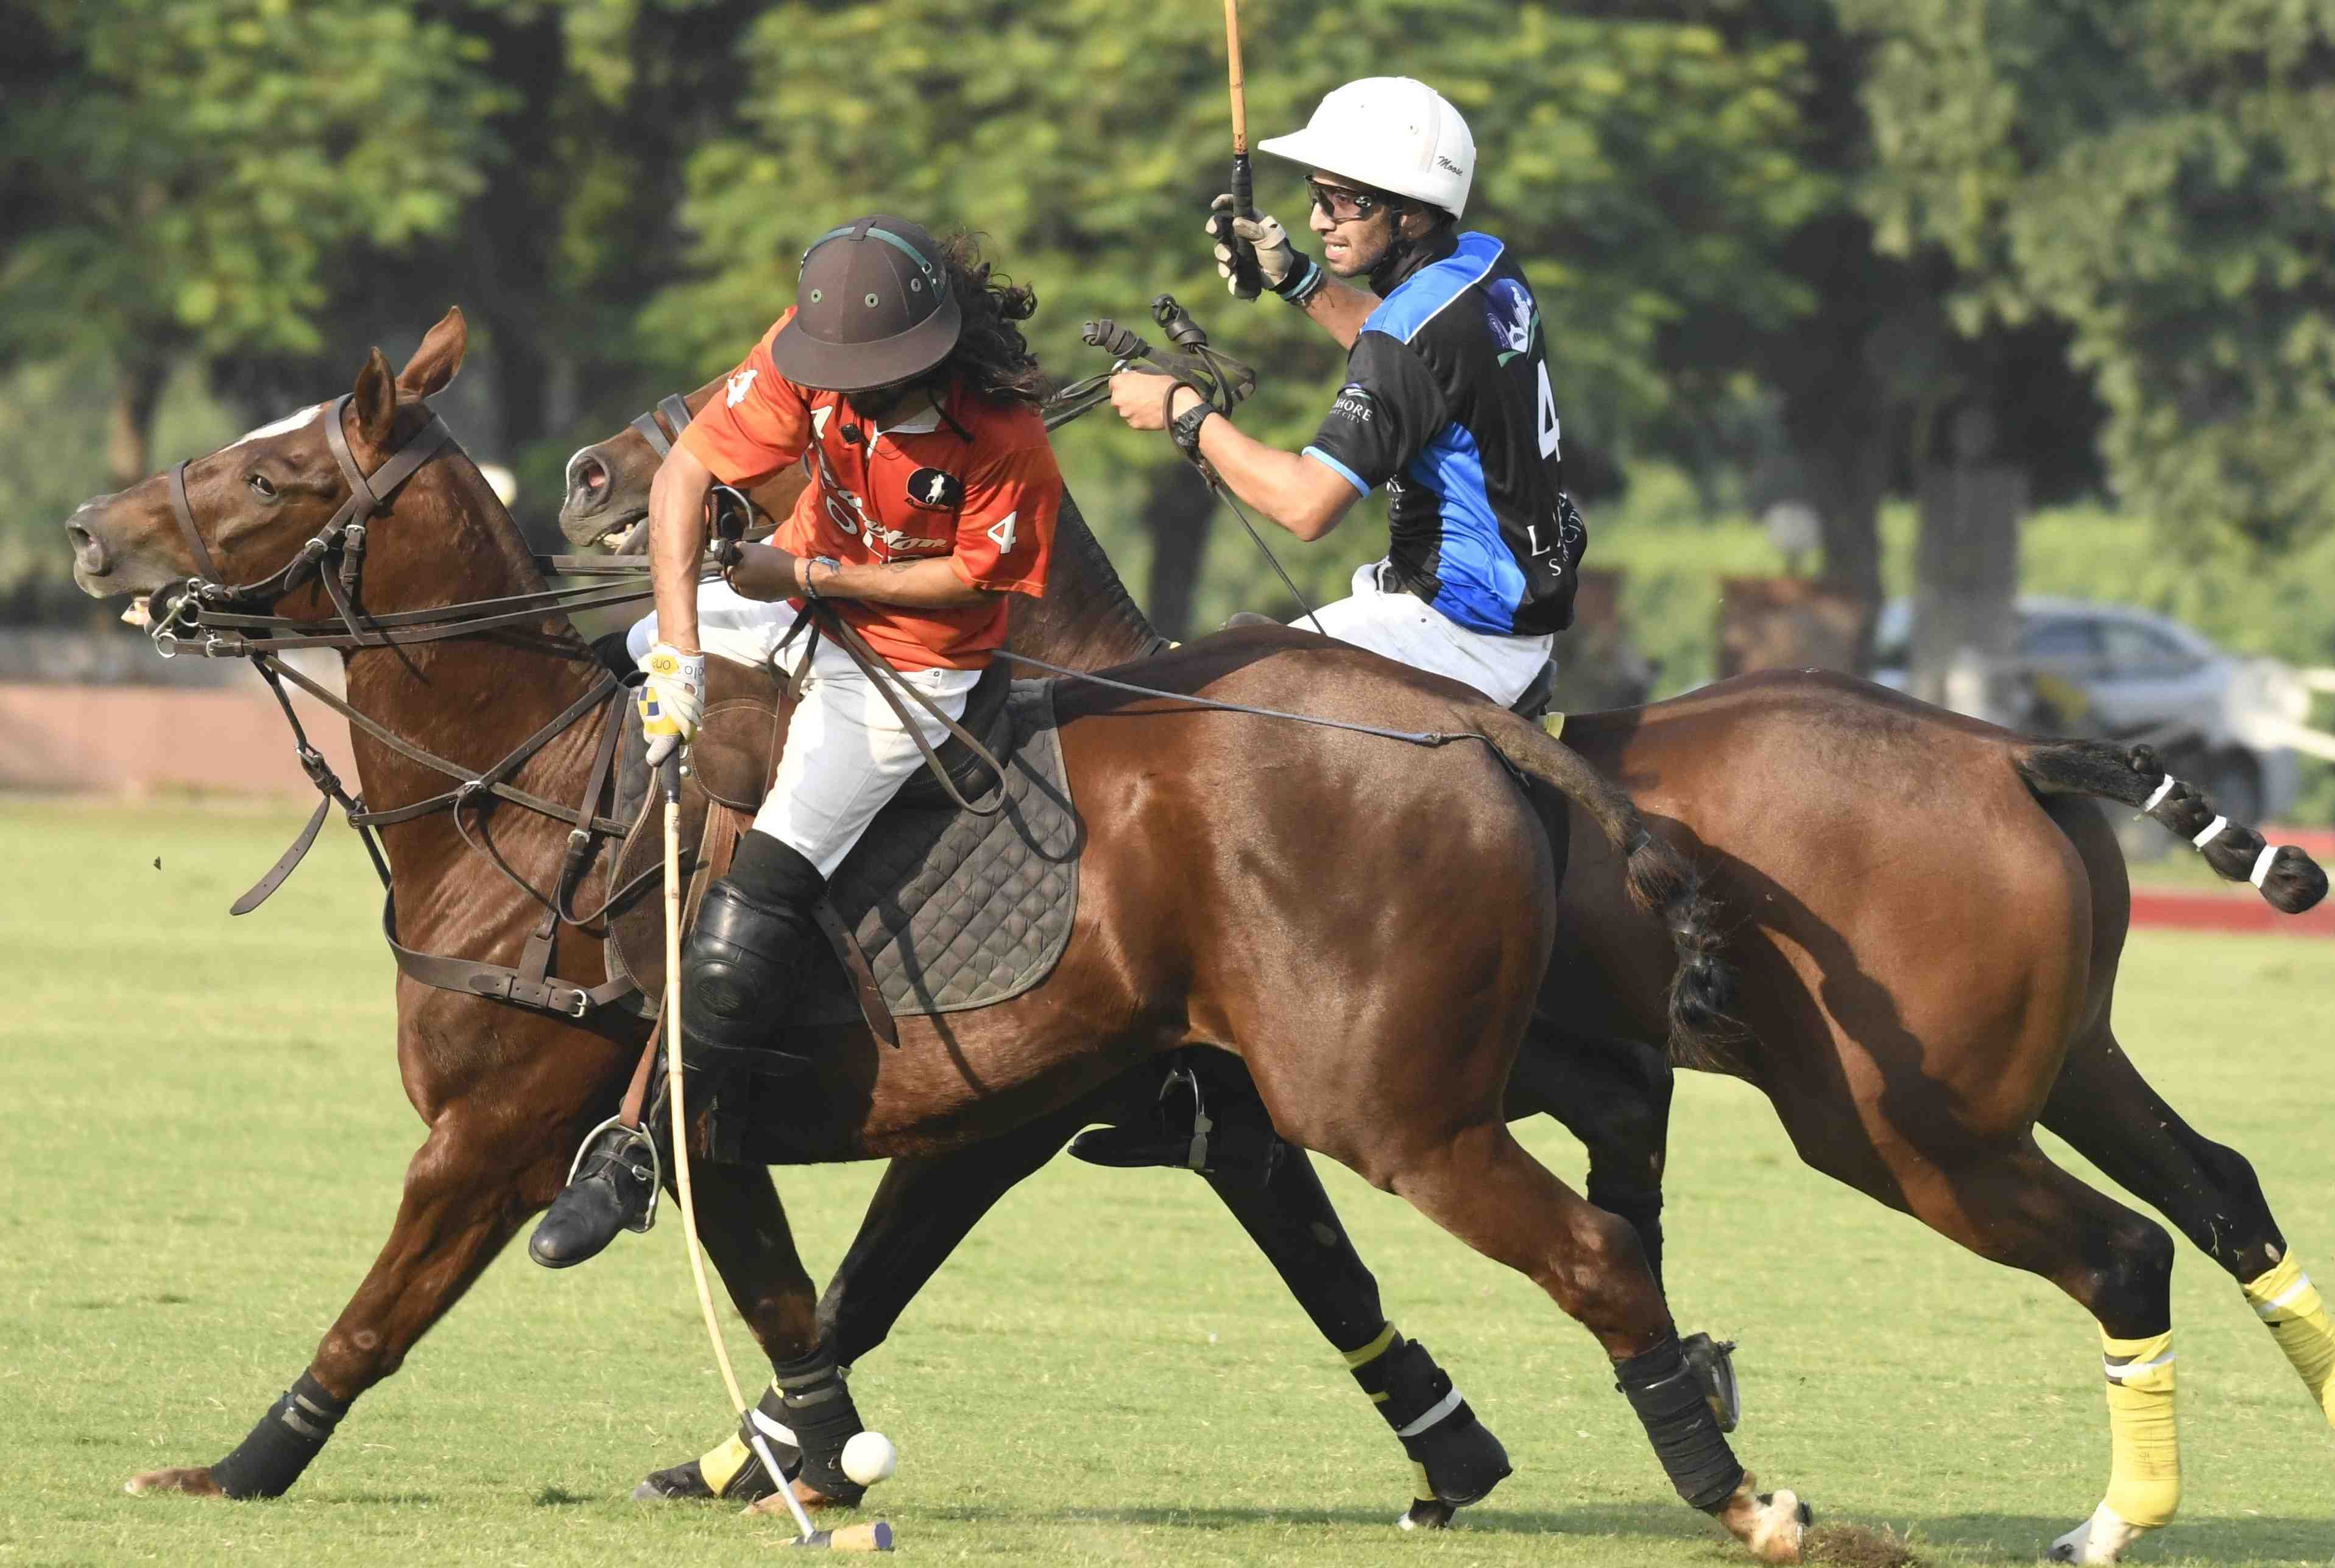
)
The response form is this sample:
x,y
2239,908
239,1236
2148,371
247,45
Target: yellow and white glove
x,y
672,699
1283,268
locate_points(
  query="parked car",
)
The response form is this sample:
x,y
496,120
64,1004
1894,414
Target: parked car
x,y
2141,677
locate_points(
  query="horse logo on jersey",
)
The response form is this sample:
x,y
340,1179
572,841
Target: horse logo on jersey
x,y
935,490
1511,314
741,383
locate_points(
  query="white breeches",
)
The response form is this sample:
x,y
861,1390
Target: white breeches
x,y
1409,630
846,751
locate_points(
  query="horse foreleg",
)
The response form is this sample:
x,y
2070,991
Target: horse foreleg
x,y
467,1190
1455,1458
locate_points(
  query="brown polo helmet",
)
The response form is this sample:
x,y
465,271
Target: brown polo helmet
x,y
874,308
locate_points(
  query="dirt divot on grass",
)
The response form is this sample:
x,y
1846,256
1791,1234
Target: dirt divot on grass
x,y
1860,1546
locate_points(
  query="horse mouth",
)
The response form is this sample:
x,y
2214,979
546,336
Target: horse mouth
x,y
136,615
625,535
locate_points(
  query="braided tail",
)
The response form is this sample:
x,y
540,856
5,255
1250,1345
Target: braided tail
x,y
1660,881
2290,880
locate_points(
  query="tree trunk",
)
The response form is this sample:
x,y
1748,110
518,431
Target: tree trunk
x,y
1843,461
129,422
1966,577
1177,515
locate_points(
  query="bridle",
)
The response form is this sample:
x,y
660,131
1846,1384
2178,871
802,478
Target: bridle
x,y
210,619
343,535
735,515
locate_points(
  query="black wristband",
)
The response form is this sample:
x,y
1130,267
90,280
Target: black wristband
x,y
1185,430
1303,281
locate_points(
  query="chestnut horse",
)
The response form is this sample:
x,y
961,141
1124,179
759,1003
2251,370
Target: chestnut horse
x,y
1928,914
1213,910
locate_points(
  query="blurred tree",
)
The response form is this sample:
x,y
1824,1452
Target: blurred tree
x,y
188,177
1641,166
2159,175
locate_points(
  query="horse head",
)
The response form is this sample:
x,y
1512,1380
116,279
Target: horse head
x,y
608,481
245,515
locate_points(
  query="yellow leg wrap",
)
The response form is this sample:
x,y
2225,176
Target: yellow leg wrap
x,y
2144,1447
2288,1306
1358,1360
720,1466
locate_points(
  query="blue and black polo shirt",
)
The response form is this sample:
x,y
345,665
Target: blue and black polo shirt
x,y
1447,403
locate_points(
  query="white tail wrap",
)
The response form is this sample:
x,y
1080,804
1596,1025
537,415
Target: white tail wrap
x,y
2213,830
2262,864
2162,791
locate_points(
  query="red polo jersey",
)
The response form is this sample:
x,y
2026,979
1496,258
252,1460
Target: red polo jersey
x,y
988,504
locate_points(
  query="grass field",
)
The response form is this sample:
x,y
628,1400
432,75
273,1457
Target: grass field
x,y
205,1137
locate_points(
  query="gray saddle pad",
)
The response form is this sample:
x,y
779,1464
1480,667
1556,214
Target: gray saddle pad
x,y
957,911
954,910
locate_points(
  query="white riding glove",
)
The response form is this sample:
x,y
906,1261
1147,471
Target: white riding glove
x,y
672,699
1284,269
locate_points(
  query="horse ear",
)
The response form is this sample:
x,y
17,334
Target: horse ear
x,y
433,364
374,401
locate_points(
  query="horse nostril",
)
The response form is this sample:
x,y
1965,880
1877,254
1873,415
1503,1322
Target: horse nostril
x,y
587,482
88,553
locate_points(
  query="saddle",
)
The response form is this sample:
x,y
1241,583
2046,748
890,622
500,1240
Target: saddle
x,y
936,910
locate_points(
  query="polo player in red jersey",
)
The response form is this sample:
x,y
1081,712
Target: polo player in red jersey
x,y
900,379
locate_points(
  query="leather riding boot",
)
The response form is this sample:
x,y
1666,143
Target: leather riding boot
x,y
613,1188
743,959
1222,1132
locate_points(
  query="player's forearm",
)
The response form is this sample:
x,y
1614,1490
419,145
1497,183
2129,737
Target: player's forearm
x,y
677,545
932,583
1283,486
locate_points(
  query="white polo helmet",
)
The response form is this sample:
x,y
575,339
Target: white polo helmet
x,y
1392,132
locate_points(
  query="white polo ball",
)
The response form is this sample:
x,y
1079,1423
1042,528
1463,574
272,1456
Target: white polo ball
x,y
869,1457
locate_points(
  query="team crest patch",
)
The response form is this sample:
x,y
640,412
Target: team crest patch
x,y
935,490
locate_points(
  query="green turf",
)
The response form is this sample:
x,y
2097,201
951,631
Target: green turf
x,y
205,1137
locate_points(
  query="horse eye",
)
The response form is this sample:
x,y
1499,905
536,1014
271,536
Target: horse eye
x,y
258,482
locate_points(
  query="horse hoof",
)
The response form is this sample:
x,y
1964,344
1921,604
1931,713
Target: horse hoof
x,y
1781,1528
1427,1514
2102,1538
192,1481
1773,1524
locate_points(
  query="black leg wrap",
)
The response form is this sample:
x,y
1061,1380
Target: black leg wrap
x,y
810,1397
1668,1400
293,1432
1457,1454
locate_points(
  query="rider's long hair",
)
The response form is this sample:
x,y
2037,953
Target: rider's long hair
x,y
991,359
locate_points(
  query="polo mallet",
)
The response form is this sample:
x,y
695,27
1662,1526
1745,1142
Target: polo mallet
x,y
871,1537
1247,279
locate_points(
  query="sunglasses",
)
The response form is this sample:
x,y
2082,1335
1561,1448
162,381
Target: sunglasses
x,y
1341,205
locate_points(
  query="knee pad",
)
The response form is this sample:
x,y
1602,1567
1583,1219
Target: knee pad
x,y
741,960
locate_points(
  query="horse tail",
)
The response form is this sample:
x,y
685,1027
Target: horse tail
x,y
1660,881
2288,879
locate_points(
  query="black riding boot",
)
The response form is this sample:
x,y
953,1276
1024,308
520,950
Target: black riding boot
x,y
737,965
612,1187
754,937
1220,1130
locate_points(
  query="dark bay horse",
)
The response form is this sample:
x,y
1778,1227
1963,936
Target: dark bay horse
x,y
1928,913
1214,910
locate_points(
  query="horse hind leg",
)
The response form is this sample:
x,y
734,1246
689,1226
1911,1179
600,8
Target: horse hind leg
x,y
1484,1188
2103,1107
2014,1206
